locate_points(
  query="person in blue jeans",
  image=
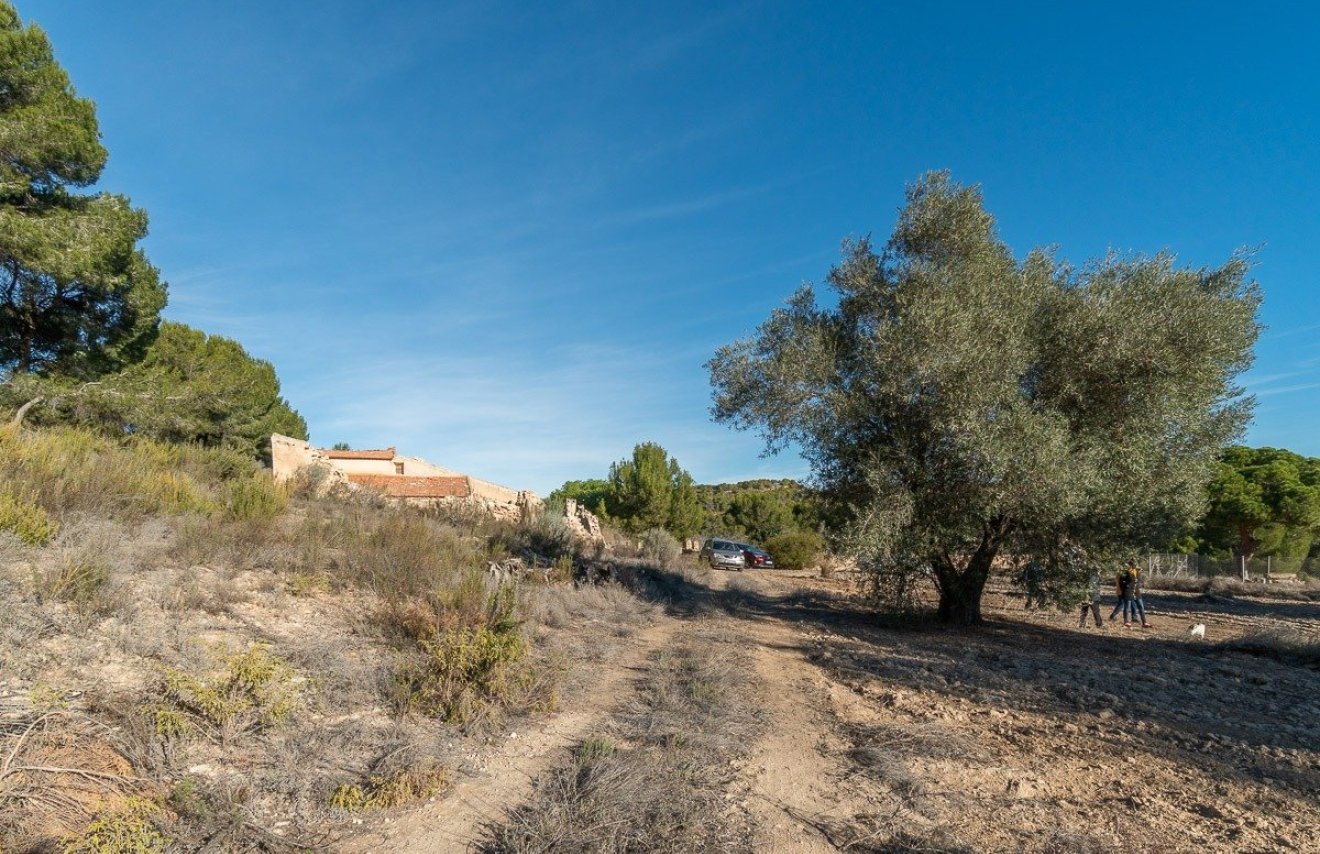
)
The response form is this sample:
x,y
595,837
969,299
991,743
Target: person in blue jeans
x,y
1129,597
1124,597
1138,606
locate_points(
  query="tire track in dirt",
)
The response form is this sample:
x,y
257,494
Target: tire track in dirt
x,y
508,769
795,788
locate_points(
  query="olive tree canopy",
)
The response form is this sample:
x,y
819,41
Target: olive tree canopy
x,y
957,404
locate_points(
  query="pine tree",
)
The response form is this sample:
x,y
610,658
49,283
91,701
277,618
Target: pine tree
x,y
77,296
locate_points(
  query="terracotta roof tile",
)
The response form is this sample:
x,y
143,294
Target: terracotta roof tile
x,y
400,486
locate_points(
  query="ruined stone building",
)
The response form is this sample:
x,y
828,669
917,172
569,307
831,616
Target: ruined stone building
x,y
411,480
414,481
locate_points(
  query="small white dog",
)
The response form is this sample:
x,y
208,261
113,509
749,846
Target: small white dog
x,y
1197,631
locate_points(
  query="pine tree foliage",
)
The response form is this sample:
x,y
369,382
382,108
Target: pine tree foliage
x,y
1263,501
77,296
650,490
190,387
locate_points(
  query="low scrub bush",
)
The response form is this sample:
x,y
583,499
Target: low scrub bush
x,y
64,470
1228,586
660,546
256,496
468,671
400,554
125,827
25,520
250,691
548,535
394,789
797,550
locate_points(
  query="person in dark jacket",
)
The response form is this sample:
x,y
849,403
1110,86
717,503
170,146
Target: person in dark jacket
x,y
1124,585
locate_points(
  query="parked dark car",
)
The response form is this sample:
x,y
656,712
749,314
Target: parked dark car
x,y
757,558
720,552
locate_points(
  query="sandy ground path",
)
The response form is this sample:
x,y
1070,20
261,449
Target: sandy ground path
x,y
503,773
1026,734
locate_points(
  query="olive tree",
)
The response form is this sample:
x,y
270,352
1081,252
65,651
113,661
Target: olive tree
x,y
957,404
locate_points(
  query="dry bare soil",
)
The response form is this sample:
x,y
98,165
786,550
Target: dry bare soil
x,y
756,711
1027,734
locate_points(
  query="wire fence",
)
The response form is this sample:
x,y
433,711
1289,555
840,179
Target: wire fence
x,y
1201,566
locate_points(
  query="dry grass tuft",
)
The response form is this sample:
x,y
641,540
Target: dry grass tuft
x,y
57,770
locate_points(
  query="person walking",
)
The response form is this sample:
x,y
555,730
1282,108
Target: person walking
x,y
1124,584
1138,605
1093,601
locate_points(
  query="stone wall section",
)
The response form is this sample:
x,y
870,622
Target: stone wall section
x,y
582,522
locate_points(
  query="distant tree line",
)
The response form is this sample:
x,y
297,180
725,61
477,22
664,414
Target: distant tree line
x,y
651,490
758,510
81,337
1261,502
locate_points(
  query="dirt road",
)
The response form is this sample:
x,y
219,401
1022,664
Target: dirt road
x,y
1024,735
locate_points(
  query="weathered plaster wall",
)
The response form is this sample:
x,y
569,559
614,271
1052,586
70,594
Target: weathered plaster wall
x,y
364,466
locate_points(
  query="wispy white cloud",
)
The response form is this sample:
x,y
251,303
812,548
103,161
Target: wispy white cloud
x,y
1287,389
1287,333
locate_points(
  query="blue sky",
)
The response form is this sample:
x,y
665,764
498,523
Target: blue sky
x,y
507,236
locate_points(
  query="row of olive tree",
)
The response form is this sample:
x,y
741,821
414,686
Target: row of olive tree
x,y
80,303
957,404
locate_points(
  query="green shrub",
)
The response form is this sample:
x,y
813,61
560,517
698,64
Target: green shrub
x,y
25,520
462,671
795,551
594,749
252,690
468,670
660,546
255,497
547,534
384,791
126,827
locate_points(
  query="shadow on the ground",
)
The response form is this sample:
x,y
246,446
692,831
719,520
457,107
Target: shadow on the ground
x,y
1226,712
1234,605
